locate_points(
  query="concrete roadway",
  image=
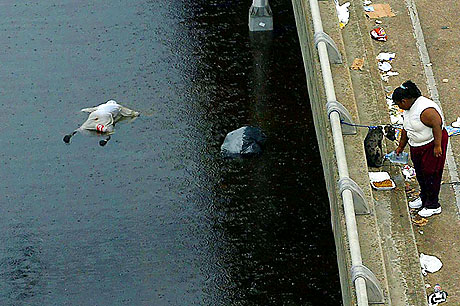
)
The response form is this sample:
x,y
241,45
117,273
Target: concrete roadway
x,y
440,236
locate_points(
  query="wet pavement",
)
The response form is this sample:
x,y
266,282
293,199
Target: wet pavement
x,y
157,217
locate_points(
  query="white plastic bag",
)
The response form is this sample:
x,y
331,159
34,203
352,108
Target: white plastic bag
x,y
342,13
429,263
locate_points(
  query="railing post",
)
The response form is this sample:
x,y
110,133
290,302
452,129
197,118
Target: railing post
x,y
260,16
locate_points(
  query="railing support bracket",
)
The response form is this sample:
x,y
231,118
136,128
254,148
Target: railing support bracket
x,y
334,106
332,50
375,293
360,203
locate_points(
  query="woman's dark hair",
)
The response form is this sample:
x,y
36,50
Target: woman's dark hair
x,y
406,91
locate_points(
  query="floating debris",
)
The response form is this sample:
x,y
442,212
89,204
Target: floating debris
x,y
243,142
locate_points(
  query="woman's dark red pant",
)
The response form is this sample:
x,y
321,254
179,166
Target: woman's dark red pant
x,y
428,169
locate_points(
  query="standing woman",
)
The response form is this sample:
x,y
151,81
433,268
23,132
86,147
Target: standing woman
x,y
423,129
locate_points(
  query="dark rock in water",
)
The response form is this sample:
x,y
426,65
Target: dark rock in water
x,y
245,141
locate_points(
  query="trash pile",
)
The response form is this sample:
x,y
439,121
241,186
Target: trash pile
x,y
375,11
379,34
384,64
395,112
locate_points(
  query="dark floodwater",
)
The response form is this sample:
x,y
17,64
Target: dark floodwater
x,y
157,217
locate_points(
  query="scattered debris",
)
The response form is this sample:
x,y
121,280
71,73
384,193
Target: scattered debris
x,y
452,131
392,73
342,13
429,263
384,66
408,172
381,180
386,56
380,10
437,297
379,34
385,77
395,111
368,8
407,187
357,64
456,124
419,221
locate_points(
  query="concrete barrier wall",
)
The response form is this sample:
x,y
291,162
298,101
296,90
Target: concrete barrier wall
x,y
324,137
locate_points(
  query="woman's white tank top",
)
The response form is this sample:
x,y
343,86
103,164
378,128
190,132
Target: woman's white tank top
x,y
419,134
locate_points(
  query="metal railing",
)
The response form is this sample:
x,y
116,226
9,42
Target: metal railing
x,y
335,121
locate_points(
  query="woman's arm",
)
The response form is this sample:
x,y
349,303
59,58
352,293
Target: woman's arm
x,y
402,142
430,117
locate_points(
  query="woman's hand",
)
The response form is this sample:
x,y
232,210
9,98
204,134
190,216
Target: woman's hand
x,y
399,150
437,151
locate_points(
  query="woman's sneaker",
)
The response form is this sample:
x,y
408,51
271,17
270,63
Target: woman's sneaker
x,y
428,212
417,203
